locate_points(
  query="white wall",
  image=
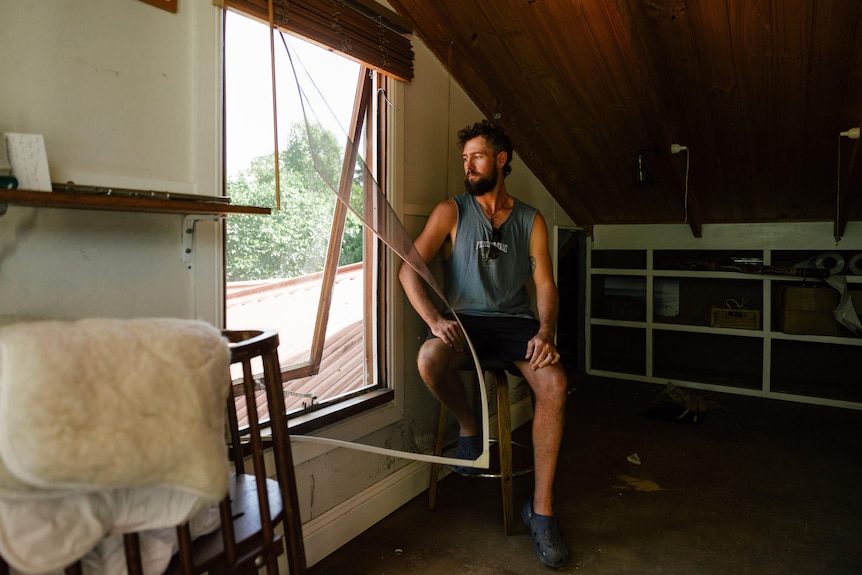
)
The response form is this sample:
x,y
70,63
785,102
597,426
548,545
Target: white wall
x,y
752,236
126,96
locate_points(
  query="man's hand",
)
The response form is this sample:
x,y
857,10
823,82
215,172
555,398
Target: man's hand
x,y
449,332
541,351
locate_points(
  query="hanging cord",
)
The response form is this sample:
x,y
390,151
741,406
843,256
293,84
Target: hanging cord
x,y
386,98
274,104
685,203
838,192
853,134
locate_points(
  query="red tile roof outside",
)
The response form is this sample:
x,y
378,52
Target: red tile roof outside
x,y
290,307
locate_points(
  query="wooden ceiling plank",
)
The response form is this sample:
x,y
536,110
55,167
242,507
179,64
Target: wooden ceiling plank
x,y
713,45
830,64
544,142
750,23
520,56
674,34
645,73
629,104
791,43
850,193
598,106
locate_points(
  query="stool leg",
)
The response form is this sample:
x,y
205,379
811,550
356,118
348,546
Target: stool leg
x,y
438,450
504,442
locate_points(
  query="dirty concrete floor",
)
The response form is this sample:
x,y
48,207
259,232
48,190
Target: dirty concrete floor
x,y
760,486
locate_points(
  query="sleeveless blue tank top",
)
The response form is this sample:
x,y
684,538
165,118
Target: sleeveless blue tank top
x,y
486,275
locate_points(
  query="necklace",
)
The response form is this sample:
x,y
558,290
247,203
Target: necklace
x,y
501,206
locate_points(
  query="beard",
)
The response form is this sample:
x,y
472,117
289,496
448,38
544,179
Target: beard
x,y
480,186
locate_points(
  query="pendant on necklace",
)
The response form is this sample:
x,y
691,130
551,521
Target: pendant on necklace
x,y
494,213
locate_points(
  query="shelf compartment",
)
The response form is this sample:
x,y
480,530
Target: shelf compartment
x,y
706,260
619,259
692,298
620,298
618,349
805,309
816,369
792,258
708,358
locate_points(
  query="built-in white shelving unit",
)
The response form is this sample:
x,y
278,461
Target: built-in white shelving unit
x,y
650,317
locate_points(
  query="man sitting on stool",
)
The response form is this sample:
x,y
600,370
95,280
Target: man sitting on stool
x,y
493,243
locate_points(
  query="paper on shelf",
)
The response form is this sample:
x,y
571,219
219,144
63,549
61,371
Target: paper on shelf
x,y
666,297
29,161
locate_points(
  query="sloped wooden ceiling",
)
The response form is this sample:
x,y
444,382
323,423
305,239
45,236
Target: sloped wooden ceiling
x,y
757,90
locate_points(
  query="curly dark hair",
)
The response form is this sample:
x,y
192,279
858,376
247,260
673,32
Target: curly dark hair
x,y
494,135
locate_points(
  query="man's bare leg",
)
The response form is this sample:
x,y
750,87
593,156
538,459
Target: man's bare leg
x,y
549,386
438,364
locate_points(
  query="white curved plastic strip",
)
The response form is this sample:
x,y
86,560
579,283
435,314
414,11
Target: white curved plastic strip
x,y
387,228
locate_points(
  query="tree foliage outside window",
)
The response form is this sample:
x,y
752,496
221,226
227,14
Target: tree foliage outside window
x,y
292,241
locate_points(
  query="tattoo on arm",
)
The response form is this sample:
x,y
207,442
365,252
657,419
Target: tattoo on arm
x,y
532,264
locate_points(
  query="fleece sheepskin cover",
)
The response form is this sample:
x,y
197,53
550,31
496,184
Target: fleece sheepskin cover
x,y
106,426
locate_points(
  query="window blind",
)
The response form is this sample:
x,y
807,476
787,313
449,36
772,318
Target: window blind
x,y
358,29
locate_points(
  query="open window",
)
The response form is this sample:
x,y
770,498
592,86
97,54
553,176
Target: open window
x,y
311,270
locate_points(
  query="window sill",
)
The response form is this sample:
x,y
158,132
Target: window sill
x,y
345,421
303,424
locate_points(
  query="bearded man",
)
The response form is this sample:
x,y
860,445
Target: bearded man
x,y
492,244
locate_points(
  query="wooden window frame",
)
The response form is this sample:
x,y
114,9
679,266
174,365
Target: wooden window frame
x,y
374,320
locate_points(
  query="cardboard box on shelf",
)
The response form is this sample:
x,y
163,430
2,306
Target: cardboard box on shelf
x,y
803,298
736,318
809,322
807,310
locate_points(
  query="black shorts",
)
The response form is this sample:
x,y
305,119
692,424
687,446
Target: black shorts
x,y
501,338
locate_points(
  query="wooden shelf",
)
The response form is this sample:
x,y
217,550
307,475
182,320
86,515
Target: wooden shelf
x,y
163,204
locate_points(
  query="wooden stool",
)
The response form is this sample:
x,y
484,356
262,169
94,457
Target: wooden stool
x,y
504,445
